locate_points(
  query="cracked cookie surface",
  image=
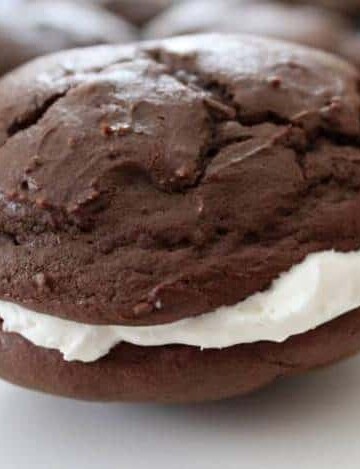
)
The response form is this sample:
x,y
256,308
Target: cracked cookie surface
x,y
149,183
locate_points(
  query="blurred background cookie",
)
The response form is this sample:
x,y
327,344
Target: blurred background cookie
x,y
302,24
31,29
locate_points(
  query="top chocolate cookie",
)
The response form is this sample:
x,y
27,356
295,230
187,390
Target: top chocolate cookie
x,y
143,184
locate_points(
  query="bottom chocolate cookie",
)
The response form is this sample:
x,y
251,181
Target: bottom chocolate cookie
x,y
177,373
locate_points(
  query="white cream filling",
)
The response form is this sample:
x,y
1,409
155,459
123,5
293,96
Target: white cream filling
x,y
324,286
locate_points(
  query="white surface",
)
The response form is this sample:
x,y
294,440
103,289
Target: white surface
x,y
310,422
307,296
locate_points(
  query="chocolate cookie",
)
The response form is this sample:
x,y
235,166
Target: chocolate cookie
x,y
200,191
30,29
302,24
177,373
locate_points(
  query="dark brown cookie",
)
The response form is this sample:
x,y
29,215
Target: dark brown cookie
x,y
148,183
155,132
30,29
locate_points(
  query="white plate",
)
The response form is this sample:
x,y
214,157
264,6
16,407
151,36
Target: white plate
x,y
308,422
